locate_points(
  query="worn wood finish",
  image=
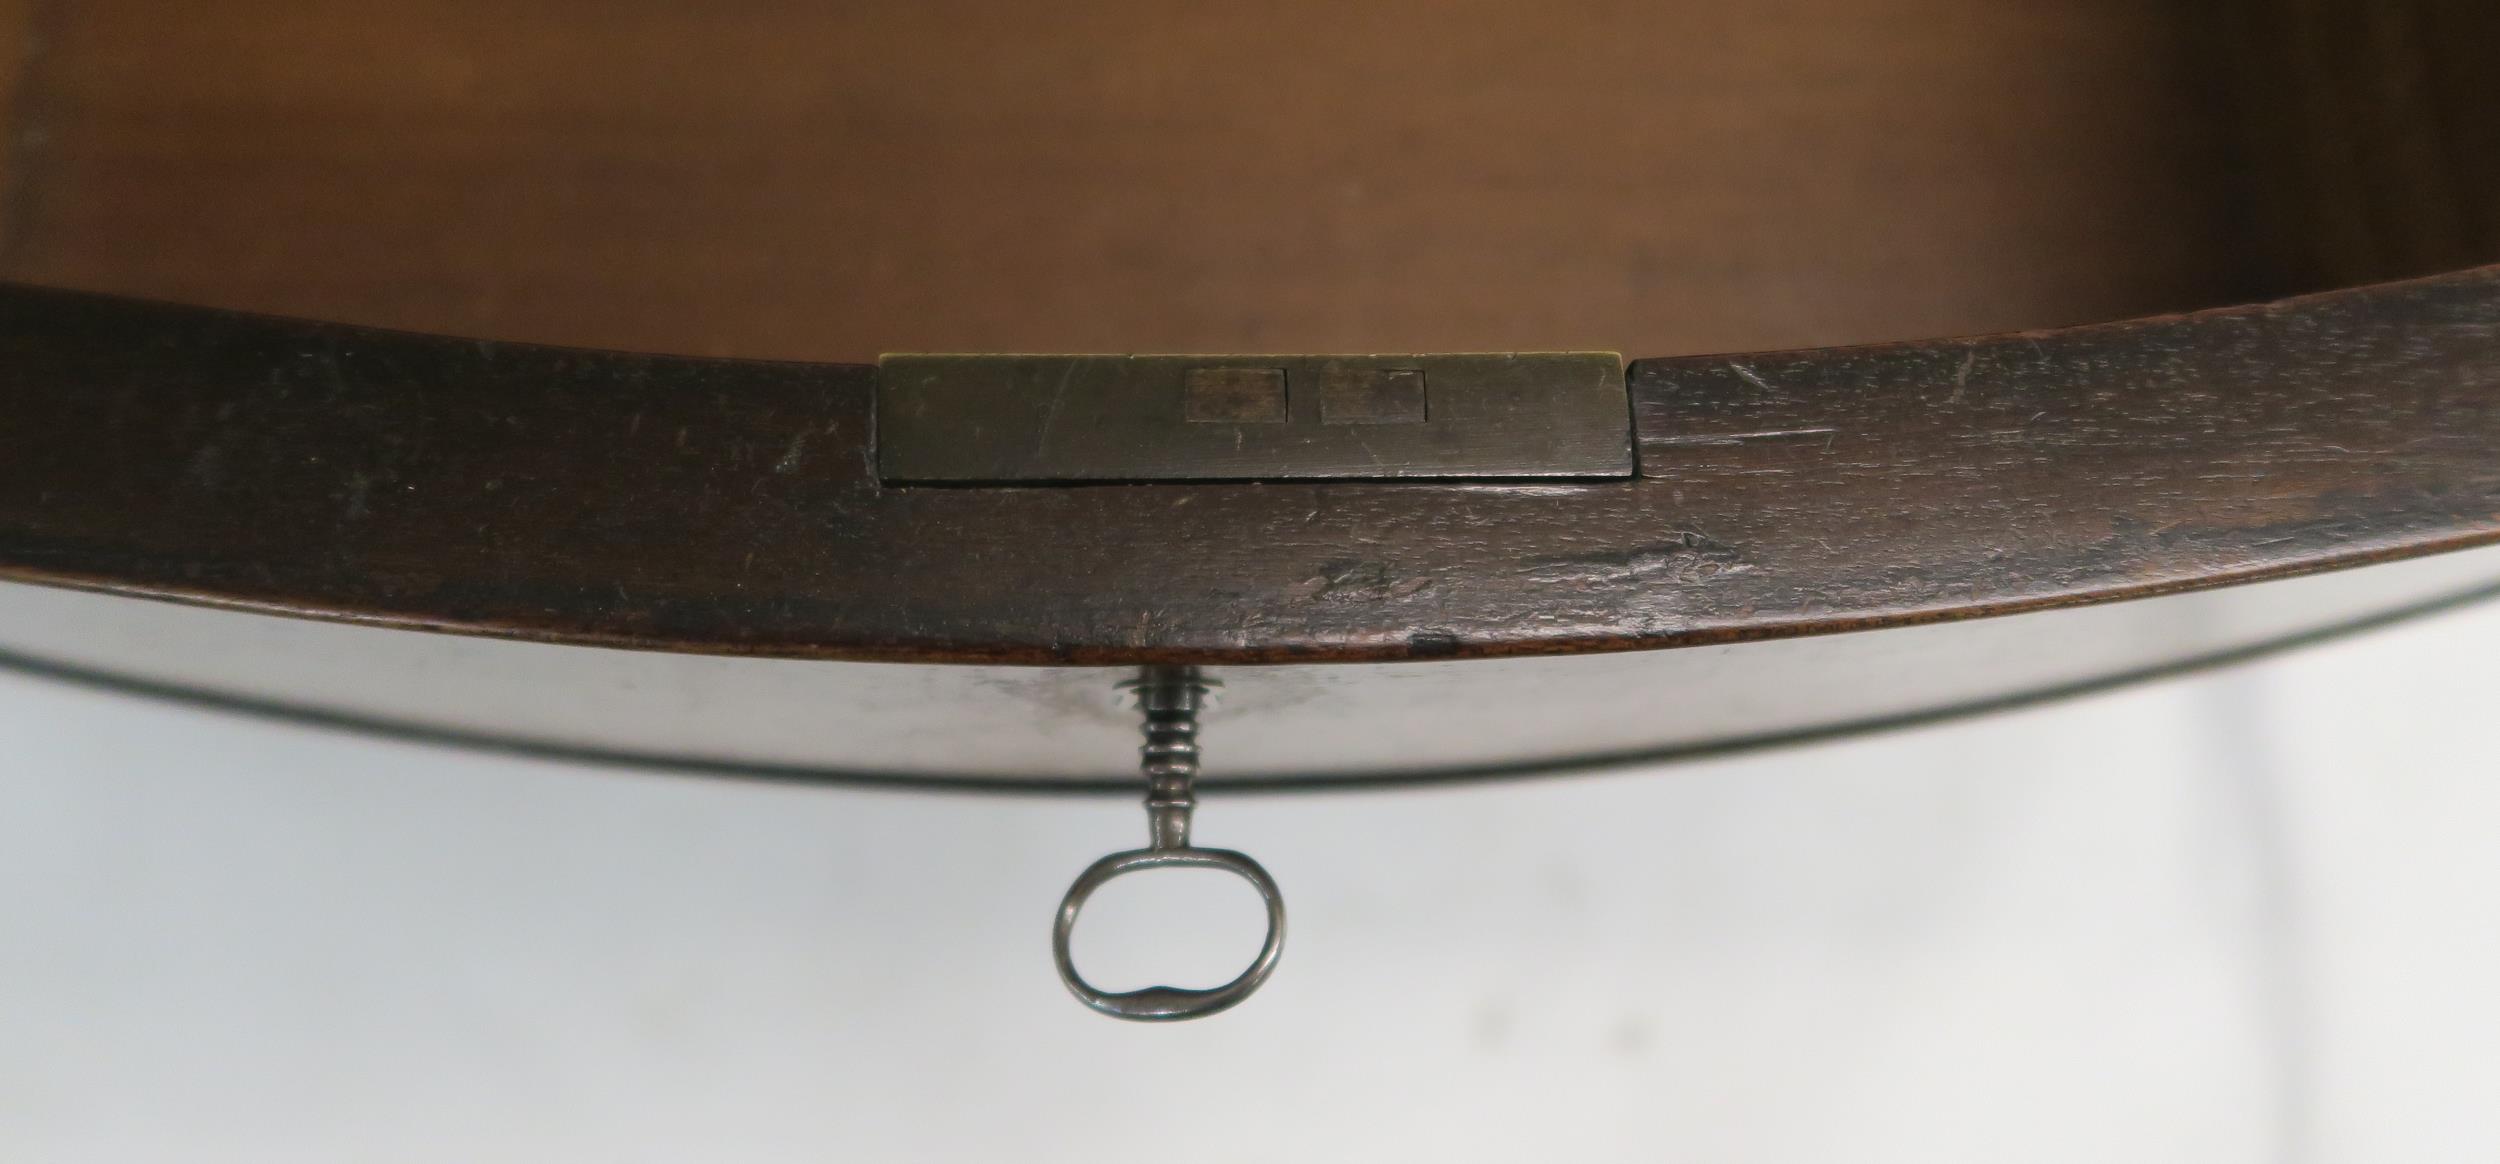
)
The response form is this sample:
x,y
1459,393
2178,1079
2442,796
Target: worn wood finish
x,y
732,507
1061,727
831,182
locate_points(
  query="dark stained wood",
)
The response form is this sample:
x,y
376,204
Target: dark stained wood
x,y
1057,727
833,181
732,507
22,37
2368,136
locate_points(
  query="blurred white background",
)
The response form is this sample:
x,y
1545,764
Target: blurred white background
x,y
2249,916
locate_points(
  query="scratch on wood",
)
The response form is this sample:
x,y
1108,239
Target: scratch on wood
x,y
1356,581
1686,556
1746,373
1961,376
1058,399
1738,438
789,462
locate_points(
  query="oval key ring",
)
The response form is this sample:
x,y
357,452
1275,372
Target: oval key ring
x,y
1170,697
1163,1003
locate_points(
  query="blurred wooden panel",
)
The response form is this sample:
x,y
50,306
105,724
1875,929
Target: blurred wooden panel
x,y
836,180
2371,136
19,42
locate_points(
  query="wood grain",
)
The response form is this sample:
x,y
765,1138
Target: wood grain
x,y
972,174
23,41
2369,135
835,181
725,506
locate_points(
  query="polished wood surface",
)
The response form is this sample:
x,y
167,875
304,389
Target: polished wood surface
x,y
828,183
1274,726
834,181
734,507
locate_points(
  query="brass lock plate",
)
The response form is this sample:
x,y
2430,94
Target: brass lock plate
x,y
971,419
